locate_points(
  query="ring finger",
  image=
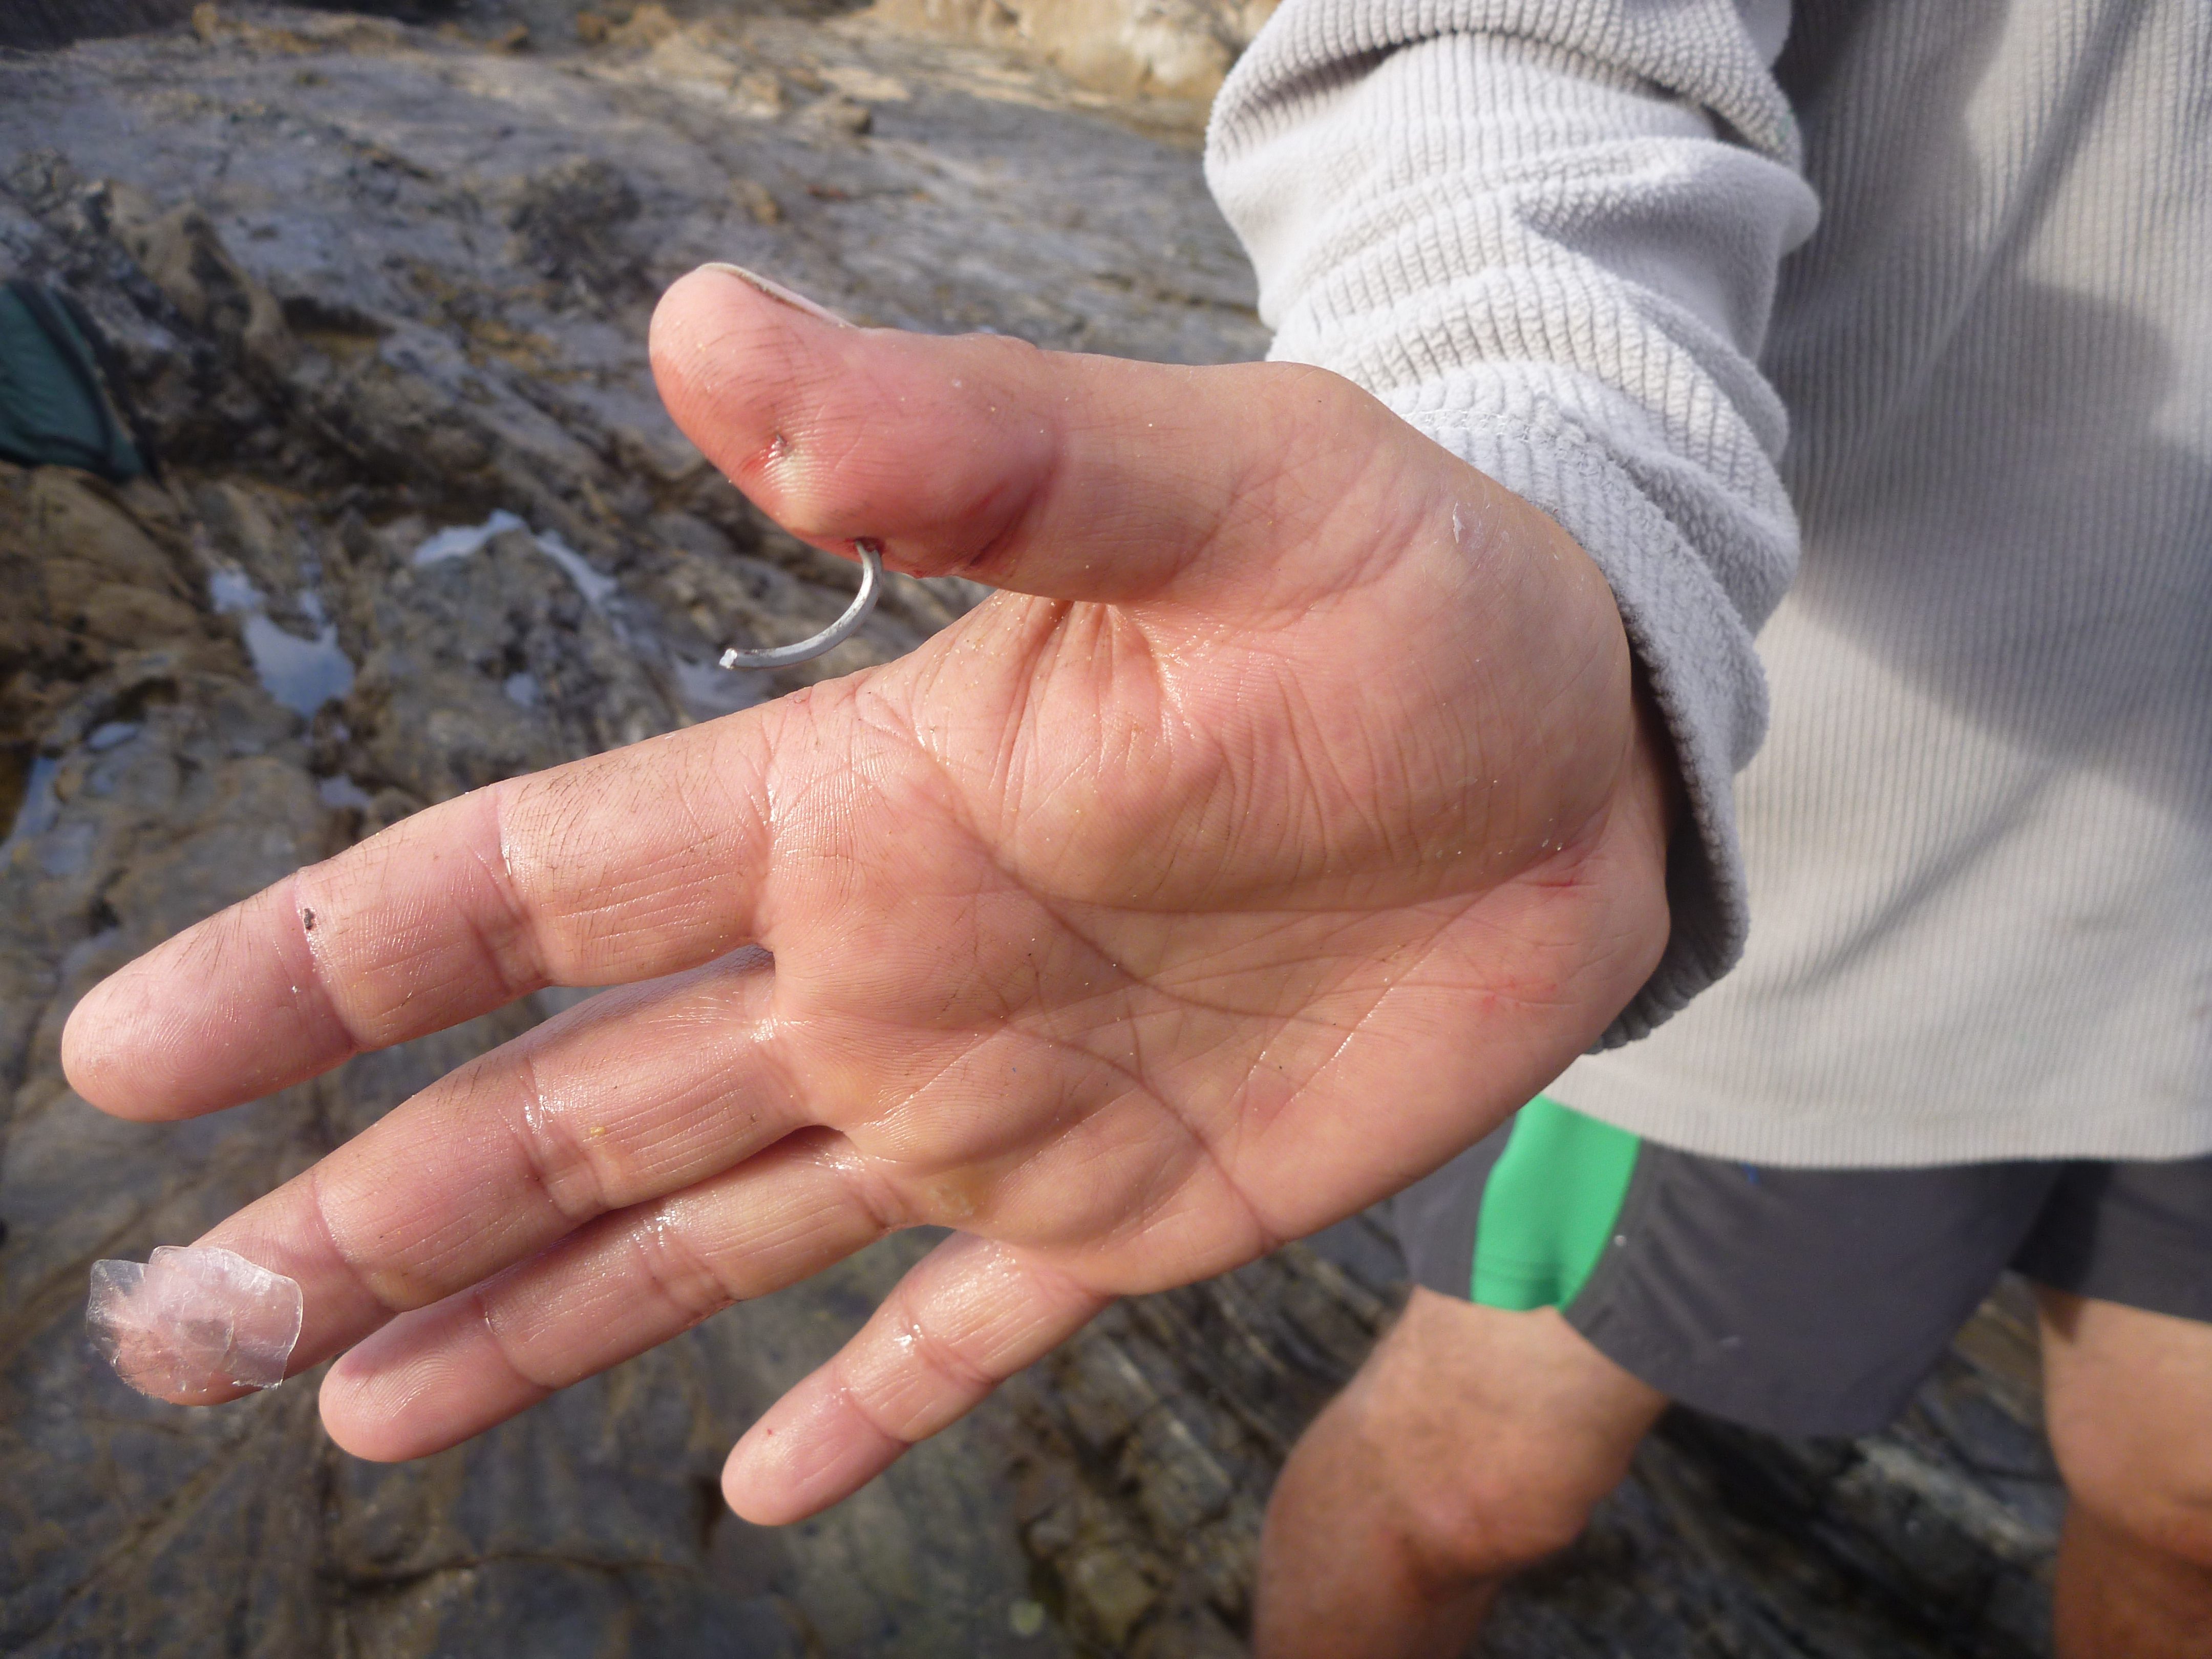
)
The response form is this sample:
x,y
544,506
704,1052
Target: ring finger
x,y
432,1377
635,1094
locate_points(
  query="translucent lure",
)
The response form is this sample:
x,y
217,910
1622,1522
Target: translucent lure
x,y
193,1325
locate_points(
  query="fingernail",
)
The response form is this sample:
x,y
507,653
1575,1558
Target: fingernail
x,y
780,293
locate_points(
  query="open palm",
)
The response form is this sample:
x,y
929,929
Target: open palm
x,y
1286,821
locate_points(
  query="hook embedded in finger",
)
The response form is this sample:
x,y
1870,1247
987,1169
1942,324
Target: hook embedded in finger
x,y
784,656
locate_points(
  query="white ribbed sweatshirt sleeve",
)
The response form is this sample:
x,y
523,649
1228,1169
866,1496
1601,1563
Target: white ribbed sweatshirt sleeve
x,y
1546,233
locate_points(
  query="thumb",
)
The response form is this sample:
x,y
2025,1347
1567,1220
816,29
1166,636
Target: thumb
x,y
1066,476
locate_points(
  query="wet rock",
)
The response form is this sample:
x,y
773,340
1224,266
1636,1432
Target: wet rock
x,y
483,666
181,254
30,25
569,222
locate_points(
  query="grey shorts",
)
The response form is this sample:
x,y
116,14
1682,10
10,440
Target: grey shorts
x,y
1806,1302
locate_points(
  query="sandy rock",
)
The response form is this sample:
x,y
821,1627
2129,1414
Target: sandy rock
x,y
837,113
1177,49
647,25
91,537
187,261
754,197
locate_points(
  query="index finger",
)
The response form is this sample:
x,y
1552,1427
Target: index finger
x,y
621,867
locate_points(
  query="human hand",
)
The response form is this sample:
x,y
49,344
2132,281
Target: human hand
x,y
1286,820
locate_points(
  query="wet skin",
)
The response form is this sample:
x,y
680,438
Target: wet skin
x,y
1286,819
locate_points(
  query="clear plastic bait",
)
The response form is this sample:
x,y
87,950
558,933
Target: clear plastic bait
x,y
193,1325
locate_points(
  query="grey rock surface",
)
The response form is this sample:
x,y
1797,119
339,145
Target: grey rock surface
x,y
379,292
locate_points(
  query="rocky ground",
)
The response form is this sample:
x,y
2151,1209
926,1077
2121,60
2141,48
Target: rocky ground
x,y
379,291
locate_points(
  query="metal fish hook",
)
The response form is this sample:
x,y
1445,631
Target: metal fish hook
x,y
782,656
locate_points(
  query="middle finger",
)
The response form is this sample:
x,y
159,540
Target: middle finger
x,y
633,1095
629,1282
